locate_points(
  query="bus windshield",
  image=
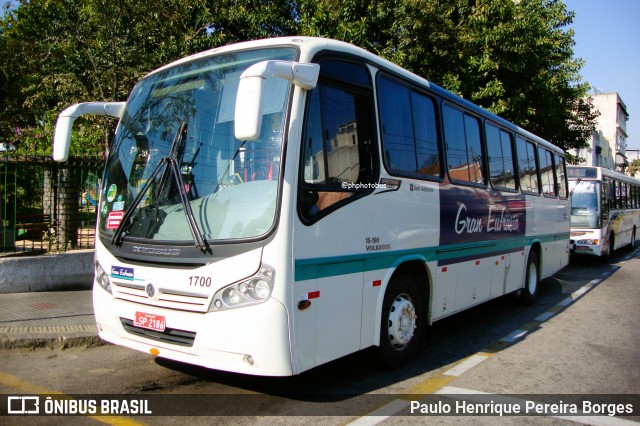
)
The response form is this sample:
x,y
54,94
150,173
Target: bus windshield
x,y
175,171
585,202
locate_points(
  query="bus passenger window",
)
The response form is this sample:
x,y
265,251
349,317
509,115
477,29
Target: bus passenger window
x,y
500,157
527,166
409,133
464,149
561,176
547,173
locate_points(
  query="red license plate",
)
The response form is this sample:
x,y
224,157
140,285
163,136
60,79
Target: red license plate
x,y
150,321
583,248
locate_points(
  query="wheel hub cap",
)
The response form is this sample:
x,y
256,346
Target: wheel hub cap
x,y
402,322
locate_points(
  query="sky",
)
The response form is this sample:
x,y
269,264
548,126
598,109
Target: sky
x,y
607,36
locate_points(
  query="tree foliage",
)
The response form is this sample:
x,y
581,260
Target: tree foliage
x,y
58,52
634,168
513,57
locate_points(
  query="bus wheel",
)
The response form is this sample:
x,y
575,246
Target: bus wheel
x,y
403,323
606,257
632,243
529,293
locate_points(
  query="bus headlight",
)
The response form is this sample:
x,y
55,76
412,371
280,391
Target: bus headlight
x,y
251,291
102,278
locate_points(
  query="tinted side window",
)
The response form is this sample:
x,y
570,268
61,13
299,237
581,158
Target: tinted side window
x,y
426,135
621,189
500,153
547,172
605,192
527,166
409,133
397,126
464,150
332,155
561,180
338,147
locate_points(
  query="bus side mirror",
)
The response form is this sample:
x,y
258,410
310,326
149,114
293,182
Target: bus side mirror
x,y
248,113
64,125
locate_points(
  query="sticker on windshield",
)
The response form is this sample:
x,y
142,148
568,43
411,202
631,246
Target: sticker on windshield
x,y
118,206
111,193
104,210
114,219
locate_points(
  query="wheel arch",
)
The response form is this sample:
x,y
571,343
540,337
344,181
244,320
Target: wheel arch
x,y
417,265
534,246
527,294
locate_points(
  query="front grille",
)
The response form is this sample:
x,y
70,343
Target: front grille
x,y
167,298
169,335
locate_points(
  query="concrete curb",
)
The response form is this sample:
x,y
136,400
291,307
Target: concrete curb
x,y
55,272
53,342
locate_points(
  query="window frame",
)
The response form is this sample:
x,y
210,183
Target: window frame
x,y
553,194
445,146
412,89
563,195
514,157
536,165
356,90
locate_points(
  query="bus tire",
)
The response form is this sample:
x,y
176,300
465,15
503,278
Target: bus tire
x,y
402,324
606,257
632,244
529,293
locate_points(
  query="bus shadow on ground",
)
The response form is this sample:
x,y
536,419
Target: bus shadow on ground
x,y
448,341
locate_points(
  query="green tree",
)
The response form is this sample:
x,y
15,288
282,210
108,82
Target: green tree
x,y
634,167
65,51
514,58
59,52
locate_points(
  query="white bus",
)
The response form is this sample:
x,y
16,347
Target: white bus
x,y
605,210
270,206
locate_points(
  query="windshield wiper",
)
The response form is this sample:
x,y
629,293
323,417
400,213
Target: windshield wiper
x,y
171,164
174,166
575,186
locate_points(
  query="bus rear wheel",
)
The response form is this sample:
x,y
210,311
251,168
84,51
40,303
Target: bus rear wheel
x,y
402,324
529,293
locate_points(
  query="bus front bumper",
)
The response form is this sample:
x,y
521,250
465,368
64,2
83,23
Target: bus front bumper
x,y
585,249
228,340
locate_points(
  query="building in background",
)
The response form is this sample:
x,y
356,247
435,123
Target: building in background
x,y
607,146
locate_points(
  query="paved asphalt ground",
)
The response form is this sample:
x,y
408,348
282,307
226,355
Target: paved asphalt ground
x,y
589,343
66,317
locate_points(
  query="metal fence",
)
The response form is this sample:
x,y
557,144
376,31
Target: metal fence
x,y
46,206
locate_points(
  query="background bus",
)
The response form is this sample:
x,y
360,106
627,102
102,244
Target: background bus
x,y
605,210
270,206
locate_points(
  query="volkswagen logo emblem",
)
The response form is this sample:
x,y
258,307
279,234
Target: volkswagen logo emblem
x,y
151,291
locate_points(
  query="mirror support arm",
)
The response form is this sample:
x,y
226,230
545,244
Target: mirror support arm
x,y
62,136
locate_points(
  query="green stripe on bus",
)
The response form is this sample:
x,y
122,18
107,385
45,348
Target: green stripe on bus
x,y
323,267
